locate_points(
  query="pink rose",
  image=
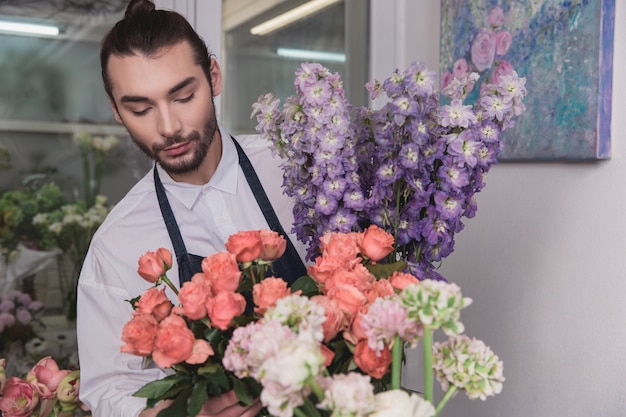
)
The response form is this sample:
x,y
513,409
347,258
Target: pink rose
x,y
335,319
224,307
355,332
139,335
496,17
328,354
323,269
369,362
19,398
155,302
267,292
359,277
193,296
273,245
503,42
174,342
503,68
399,280
45,377
245,245
483,49
222,271
67,393
200,352
152,265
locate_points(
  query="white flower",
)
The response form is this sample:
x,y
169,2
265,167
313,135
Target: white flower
x,y
295,361
399,403
300,314
348,395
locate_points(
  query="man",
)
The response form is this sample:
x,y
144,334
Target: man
x,y
161,82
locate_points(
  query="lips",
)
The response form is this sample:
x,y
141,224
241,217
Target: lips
x,y
177,149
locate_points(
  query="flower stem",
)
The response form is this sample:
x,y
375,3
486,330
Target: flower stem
x,y
451,391
396,363
311,411
165,279
315,387
428,364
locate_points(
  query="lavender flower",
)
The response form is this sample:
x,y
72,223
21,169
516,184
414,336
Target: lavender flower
x,y
411,167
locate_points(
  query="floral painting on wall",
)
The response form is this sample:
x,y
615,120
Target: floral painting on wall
x,y
565,51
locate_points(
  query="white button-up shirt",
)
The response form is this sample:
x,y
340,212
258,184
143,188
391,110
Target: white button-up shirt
x,y
206,215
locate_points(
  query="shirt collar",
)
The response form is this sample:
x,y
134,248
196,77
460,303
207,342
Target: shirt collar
x,y
224,178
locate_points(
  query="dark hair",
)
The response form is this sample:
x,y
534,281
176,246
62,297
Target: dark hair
x,y
145,30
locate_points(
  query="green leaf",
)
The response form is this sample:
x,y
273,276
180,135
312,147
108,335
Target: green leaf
x,y
178,407
198,398
156,389
209,368
307,285
242,391
384,270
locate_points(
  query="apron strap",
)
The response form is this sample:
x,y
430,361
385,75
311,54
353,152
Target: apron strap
x,y
188,264
289,266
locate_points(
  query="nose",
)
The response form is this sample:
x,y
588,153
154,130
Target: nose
x,y
169,124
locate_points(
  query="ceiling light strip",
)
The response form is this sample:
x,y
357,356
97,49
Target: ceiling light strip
x,y
291,16
30,28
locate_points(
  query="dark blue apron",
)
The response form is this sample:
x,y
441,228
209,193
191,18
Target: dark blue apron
x,y
289,267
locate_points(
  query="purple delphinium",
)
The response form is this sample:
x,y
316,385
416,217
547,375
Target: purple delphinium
x,y
412,166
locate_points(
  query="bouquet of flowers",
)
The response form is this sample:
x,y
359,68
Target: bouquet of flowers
x,y
332,344
412,167
45,391
70,228
20,318
18,208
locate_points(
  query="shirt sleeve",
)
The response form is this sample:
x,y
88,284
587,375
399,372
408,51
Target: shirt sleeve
x,y
108,376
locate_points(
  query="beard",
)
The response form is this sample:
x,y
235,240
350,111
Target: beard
x,y
183,165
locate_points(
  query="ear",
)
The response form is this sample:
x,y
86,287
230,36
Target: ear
x,y
116,113
216,77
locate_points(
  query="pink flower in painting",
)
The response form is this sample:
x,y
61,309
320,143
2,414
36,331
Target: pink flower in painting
x,y
460,68
484,49
446,79
496,17
503,68
503,42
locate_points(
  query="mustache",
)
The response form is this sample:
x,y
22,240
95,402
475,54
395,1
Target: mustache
x,y
172,140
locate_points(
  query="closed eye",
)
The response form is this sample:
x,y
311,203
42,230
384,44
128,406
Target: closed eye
x,y
186,99
140,112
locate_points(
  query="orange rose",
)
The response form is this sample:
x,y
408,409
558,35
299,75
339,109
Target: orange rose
x,y
273,245
329,355
222,271
224,307
174,342
358,277
335,319
193,296
348,298
376,243
366,359
267,292
152,265
379,289
355,332
155,302
323,268
139,335
245,245
400,280
45,377
340,245
200,352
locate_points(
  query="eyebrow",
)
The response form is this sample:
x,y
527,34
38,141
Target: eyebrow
x,y
141,99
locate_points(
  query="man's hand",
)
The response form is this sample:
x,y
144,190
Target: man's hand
x,y
226,405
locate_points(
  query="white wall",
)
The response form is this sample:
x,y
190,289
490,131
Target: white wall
x,y
545,262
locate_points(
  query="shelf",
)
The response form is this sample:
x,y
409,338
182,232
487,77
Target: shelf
x,y
59,127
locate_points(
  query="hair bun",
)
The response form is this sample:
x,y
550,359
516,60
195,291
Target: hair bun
x,y
138,7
